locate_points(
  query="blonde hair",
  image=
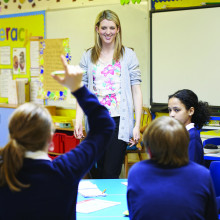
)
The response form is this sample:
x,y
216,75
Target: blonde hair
x,y
30,129
119,48
167,140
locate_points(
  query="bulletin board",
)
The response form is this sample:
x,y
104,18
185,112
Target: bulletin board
x,y
185,51
49,59
15,33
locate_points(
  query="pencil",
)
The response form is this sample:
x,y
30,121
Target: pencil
x,y
61,72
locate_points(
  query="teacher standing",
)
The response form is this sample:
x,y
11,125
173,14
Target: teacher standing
x,y
112,73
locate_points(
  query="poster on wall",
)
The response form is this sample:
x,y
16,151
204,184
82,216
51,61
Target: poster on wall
x,y
19,60
5,78
16,30
35,84
34,58
5,55
50,52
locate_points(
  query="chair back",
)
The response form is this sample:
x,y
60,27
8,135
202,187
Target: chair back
x,y
215,174
215,141
146,118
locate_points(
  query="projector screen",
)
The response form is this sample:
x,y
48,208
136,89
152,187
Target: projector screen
x,y
185,54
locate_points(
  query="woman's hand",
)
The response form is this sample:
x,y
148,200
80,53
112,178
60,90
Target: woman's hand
x,y
72,78
78,131
136,136
132,142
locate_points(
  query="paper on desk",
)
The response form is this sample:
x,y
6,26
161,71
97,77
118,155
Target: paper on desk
x,y
124,183
213,155
211,151
88,189
91,192
92,205
86,185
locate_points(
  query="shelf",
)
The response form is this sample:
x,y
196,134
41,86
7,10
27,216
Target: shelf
x,y
53,153
64,129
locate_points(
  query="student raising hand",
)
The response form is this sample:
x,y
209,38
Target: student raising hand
x,y
72,78
28,177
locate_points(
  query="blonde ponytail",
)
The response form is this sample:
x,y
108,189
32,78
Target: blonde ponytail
x,y
12,156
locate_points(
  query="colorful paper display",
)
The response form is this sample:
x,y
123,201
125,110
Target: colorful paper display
x,y
16,31
50,52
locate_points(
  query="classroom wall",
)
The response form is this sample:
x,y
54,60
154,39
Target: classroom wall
x,y
75,20
80,31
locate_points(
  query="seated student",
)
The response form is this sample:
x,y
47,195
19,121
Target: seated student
x,y
31,185
169,186
184,106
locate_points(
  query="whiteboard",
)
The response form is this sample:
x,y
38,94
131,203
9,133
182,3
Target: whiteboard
x,y
185,54
77,24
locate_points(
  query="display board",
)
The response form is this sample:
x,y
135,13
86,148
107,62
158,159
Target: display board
x,y
16,31
185,52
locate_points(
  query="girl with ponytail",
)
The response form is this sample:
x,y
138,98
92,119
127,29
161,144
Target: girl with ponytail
x,y
30,129
31,185
184,106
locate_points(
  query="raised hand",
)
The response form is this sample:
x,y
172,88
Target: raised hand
x,y
72,78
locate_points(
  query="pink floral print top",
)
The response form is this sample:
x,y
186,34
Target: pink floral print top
x,y
107,85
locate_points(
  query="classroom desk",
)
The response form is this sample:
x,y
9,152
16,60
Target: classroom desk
x,y
116,192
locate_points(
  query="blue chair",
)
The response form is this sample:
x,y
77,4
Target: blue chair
x,y
215,141
146,118
215,174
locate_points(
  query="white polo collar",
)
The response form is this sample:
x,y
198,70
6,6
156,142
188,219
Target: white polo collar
x,y
37,155
189,126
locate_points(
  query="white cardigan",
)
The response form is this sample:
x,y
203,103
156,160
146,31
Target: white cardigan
x,y
130,75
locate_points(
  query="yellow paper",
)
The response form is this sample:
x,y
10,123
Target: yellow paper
x,y
50,52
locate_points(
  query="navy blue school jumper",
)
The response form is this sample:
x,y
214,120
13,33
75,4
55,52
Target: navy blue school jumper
x,y
164,193
53,184
196,153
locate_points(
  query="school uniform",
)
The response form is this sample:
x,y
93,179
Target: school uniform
x,y
54,184
196,153
165,193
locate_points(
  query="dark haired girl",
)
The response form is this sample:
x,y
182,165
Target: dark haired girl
x,y
184,106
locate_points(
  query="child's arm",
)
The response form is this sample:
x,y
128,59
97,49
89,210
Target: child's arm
x,y
78,161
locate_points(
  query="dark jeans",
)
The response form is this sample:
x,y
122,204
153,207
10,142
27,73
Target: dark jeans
x,y
109,165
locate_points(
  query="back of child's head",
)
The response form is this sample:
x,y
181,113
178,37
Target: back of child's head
x,y
167,141
201,109
30,126
30,129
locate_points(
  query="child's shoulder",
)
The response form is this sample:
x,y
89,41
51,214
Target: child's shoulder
x,y
194,134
